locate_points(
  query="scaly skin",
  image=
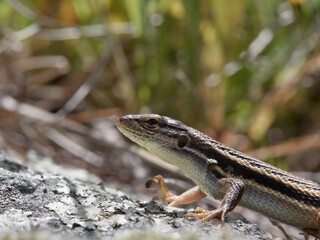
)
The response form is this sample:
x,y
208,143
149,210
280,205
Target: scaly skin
x,y
225,174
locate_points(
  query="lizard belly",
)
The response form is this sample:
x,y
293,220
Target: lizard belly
x,y
202,176
279,207
261,199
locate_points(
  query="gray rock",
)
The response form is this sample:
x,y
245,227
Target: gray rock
x,y
43,205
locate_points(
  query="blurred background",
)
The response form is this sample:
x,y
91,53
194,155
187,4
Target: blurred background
x,y
247,73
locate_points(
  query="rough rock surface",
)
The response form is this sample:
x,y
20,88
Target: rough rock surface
x,y
46,201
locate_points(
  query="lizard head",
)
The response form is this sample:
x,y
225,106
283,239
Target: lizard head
x,y
161,135
147,128
170,140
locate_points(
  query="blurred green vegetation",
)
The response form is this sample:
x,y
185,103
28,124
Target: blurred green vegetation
x,y
246,69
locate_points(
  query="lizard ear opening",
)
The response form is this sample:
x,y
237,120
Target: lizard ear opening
x,y
183,141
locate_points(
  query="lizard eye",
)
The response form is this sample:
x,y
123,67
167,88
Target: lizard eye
x,y
183,141
152,123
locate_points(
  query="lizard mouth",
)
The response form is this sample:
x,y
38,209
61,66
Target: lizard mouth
x,y
131,129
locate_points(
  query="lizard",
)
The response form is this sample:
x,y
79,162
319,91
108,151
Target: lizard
x,y
224,174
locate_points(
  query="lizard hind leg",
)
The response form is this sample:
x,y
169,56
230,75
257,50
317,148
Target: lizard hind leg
x,y
312,231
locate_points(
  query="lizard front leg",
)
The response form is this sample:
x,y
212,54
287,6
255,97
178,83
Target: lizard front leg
x,y
192,195
233,189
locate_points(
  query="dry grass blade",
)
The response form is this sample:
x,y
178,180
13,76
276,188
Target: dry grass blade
x,y
86,117
32,15
83,91
74,148
97,30
290,147
10,104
